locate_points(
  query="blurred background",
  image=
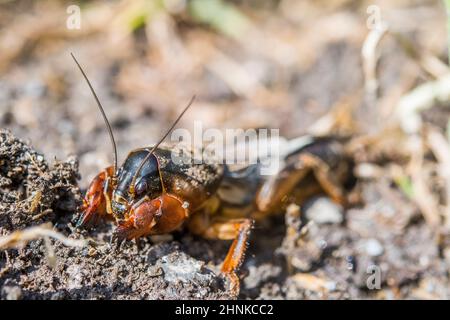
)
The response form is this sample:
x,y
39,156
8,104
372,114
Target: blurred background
x,y
252,64
376,71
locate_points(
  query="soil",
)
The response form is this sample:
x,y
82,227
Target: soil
x,y
335,256
144,85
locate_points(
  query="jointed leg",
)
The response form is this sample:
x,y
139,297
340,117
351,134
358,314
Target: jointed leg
x,y
294,181
161,215
97,199
277,188
325,177
239,231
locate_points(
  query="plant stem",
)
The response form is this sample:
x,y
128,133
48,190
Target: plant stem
x,y
447,6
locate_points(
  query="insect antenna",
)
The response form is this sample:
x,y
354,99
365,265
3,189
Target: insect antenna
x,y
108,126
133,181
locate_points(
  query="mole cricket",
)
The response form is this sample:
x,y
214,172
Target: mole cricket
x,y
150,194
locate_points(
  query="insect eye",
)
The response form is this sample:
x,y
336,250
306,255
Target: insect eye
x,y
141,187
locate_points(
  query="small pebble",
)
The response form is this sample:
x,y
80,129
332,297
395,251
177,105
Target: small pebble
x,y
179,267
12,292
322,210
331,285
374,248
323,244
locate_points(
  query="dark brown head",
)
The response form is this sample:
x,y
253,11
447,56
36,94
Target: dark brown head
x,y
146,182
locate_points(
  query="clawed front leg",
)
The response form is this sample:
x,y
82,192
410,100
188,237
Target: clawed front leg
x,y
141,220
97,201
236,253
237,230
161,215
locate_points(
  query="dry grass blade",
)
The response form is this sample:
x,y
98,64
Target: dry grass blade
x,y
421,98
20,237
423,196
441,149
370,58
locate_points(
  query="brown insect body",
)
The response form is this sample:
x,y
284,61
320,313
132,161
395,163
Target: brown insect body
x,y
167,189
202,195
157,189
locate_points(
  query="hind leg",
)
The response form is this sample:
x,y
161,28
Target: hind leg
x,y
325,177
276,189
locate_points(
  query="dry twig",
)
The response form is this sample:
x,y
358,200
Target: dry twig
x,y
20,237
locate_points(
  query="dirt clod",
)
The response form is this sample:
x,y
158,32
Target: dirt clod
x,y
30,190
